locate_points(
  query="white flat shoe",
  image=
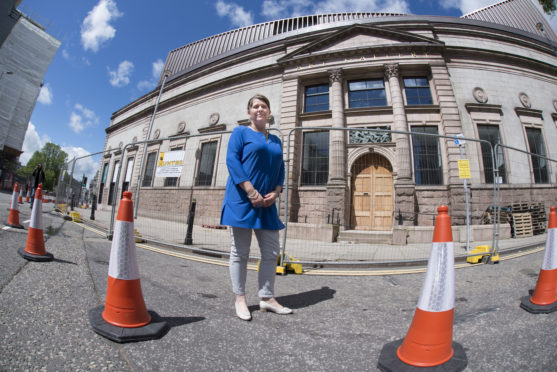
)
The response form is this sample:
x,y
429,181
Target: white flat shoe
x,y
265,306
244,315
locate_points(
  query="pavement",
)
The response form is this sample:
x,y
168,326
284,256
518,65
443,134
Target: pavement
x,y
340,322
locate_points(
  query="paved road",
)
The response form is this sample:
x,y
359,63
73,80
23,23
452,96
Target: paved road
x,y
340,322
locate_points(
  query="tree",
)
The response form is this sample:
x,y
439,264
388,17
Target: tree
x,y
549,6
52,158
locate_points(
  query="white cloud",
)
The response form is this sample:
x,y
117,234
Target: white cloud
x,y
157,68
87,165
45,95
32,142
81,117
121,77
235,13
65,54
151,83
273,9
96,28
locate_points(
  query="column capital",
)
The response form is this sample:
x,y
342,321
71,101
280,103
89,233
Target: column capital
x,y
391,70
335,76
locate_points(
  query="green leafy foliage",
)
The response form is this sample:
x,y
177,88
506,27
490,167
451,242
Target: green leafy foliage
x,y
549,6
52,159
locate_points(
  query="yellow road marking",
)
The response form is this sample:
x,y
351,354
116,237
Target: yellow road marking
x,y
316,272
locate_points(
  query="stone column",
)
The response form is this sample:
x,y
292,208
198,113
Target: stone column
x,y
337,197
337,168
399,123
405,202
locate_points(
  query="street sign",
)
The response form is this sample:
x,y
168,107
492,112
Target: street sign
x,y
464,168
458,139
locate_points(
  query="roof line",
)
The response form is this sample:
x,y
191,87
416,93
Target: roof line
x,y
486,7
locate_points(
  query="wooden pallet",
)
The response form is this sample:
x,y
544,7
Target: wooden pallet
x,y
520,207
522,225
488,217
539,218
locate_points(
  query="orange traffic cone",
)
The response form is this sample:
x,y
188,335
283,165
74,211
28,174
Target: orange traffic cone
x,y
544,298
35,249
13,217
428,342
20,197
28,196
125,317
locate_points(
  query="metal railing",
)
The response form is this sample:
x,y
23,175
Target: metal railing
x,y
319,228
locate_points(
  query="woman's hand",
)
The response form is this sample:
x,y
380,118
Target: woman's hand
x,y
270,198
256,199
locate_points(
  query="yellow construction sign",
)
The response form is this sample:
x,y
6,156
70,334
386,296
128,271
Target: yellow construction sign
x,y
464,168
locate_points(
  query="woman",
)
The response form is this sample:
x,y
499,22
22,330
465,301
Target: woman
x,y
256,168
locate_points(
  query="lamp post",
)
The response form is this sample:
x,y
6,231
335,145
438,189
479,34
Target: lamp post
x,y
140,176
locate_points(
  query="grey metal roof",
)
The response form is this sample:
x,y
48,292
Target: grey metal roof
x,y
514,14
191,54
520,14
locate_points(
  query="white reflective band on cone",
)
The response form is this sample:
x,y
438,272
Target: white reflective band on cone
x,y
37,215
438,289
14,201
123,262
550,256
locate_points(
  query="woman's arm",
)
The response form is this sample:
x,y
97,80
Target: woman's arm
x,y
253,195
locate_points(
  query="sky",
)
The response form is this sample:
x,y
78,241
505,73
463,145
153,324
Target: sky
x,y
113,51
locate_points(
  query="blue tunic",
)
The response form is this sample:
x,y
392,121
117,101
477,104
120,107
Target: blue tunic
x,y
252,157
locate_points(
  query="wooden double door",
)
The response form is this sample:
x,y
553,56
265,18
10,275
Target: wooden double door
x,y
372,193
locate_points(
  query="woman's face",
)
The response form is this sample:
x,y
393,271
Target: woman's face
x,y
259,112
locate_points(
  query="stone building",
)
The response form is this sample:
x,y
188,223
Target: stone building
x,y
488,75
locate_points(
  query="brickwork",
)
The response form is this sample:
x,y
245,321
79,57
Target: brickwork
x,y
312,210
405,202
173,204
336,196
427,202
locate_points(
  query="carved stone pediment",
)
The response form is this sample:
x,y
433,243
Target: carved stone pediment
x,y
357,37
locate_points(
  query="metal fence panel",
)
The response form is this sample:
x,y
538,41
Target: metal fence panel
x,y
374,201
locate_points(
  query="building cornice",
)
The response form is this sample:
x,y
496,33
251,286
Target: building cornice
x,y
483,107
522,111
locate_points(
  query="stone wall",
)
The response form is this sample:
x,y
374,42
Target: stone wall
x,y
308,206
174,204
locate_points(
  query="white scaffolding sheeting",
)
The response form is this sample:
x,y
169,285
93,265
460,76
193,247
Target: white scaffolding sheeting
x,y
24,59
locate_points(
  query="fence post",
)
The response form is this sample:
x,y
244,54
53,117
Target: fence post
x,y
191,215
93,207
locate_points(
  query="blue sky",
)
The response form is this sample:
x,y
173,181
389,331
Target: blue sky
x,y
112,52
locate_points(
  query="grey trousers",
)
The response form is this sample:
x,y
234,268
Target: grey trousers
x,y
239,253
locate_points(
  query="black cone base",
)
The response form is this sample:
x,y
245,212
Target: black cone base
x,y
152,331
15,226
389,361
35,257
531,307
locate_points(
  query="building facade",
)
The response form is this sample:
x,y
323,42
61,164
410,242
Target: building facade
x,y
367,104
26,51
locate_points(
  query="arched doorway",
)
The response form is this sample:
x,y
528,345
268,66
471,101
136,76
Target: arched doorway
x,y
372,193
